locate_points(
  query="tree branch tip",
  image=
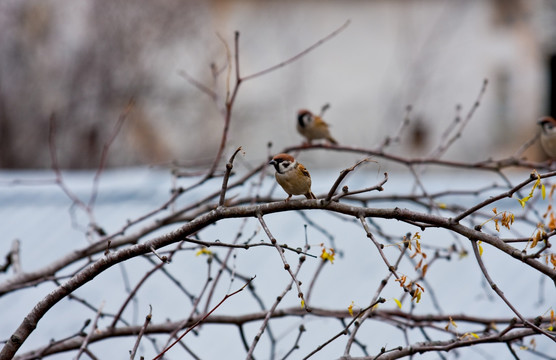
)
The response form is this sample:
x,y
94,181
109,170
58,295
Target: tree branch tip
x,y
533,175
130,104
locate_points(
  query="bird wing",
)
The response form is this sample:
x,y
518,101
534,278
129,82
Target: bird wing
x,y
319,122
303,170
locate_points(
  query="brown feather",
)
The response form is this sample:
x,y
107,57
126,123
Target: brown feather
x,y
283,157
304,171
310,195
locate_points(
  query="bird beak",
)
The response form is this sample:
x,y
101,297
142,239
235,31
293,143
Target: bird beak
x,y
272,162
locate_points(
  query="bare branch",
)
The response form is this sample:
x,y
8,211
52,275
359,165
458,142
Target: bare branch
x,y
133,293
275,305
448,141
287,266
202,319
344,331
502,296
105,148
229,167
346,192
299,55
198,85
89,335
143,328
340,178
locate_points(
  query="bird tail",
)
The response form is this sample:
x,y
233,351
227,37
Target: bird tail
x,y
332,140
310,195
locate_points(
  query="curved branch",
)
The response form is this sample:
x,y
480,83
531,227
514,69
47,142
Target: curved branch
x,y
84,276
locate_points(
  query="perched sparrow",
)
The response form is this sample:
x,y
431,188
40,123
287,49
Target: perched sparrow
x,y
292,176
312,127
548,135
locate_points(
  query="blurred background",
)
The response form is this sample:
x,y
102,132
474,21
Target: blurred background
x,y
83,61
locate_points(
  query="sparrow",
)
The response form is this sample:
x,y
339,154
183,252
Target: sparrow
x,y
292,176
312,127
548,135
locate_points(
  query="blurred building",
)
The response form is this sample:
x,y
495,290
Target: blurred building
x,y
82,61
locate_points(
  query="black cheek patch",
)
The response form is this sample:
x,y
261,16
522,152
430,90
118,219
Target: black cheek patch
x,y
301,120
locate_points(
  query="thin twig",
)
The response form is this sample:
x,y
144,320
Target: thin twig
x,y
198,85
340,178
506,194
229,167
287,266
526,145
143,328
324,109
56,167
196,302
299,55
202,319
379,246
501,294
378,187
228,66
295,345
219,273
14,257
91,332
274,306
389,140
105,148
133,292
345,330
162,258
245,246
375,299
448,141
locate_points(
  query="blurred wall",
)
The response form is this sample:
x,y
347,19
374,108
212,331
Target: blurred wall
x,y
84,60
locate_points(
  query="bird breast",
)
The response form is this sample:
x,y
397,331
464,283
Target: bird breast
x,y
294,182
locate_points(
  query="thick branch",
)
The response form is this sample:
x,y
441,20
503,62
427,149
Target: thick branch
x,y
110,259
